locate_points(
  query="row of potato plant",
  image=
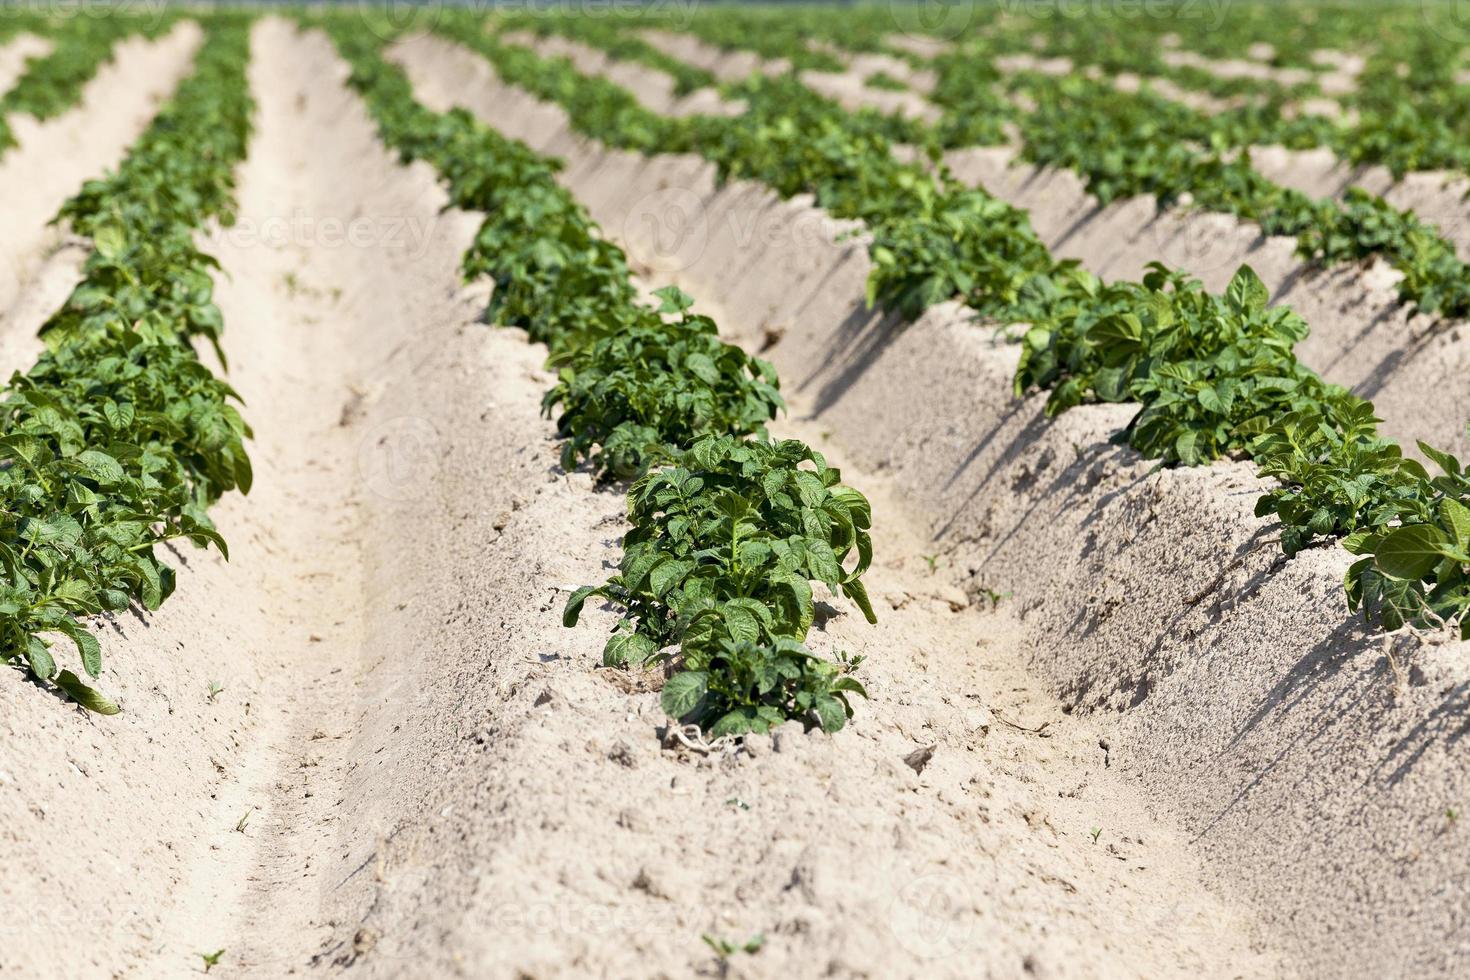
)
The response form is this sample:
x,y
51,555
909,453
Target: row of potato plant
x,y
52,82
1214,375
1139,143
1121,143
1404,111
119,438
729,528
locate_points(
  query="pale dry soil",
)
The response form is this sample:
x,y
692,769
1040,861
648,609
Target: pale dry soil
x,y
366,743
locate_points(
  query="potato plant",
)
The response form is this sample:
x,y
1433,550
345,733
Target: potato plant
x,y
729,528
119,438
725,543
53,82
656,383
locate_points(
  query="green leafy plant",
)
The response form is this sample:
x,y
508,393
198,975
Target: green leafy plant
x,y
1418,572
731,688
1214,375
53,82
994,597
724,544
1210,372
724,948
729,530
119,438
1336,476
653,385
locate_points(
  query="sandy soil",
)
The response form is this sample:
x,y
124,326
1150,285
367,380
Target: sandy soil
x,y
53,159
847,88
866,64
14,54
850,90
923,45
652,88
1234,686
1231,68
1438,196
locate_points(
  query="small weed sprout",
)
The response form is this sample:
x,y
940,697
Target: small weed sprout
x,y
994,597
724,948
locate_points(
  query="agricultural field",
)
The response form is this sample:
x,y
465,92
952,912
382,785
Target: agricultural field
x,y
671,489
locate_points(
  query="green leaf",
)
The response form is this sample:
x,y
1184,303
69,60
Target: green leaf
x,y
1111,384
119,415
1411,552
39,659
110,241
102,467
668,574
1444,460
858,593
702,366
822,562
831,714
1211,401
1246,293
151,591
624,649
1185,446
741,624
1118,334
736,722
675,300
1457,516
89,698
574,605
683,692
62,530
87,646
